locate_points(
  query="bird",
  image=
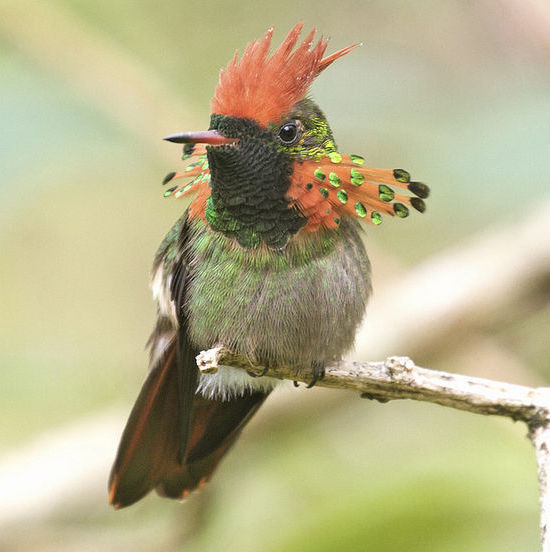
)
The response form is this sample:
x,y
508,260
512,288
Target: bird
x,y
267,259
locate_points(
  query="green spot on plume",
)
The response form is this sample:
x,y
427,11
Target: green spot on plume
x,y
324,192
418,204
376,218
401,175
334,179
168,177
385,193
335,157
360,209
356,177
187,151
401,210
309,185
319,174
420,189
336,220
342,196
357,159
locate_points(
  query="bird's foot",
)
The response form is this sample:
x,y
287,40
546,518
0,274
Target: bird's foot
x,y
262,373
318,369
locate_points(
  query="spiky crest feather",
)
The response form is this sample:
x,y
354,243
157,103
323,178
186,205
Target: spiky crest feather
x,y
264,88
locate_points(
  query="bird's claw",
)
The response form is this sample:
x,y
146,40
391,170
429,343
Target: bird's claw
x,y
318,369
262,373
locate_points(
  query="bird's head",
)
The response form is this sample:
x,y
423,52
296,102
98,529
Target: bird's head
x,y
268,167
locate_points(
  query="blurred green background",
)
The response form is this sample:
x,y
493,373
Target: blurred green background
x,y
456,92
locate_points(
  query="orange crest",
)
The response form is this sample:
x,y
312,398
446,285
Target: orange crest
x,y
263,87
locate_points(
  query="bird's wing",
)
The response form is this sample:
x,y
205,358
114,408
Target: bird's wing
x,y
154,441
174,437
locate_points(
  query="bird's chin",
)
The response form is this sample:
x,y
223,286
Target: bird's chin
x,y
224,147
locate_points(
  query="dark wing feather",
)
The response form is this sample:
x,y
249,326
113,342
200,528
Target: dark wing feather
x,y
188,372
155,438
150,438
216,426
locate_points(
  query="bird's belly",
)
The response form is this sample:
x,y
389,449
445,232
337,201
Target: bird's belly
x,y
279,308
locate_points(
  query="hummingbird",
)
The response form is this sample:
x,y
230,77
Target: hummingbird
x,y
267,260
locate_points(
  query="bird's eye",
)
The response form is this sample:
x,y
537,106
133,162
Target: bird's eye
x,y
288,133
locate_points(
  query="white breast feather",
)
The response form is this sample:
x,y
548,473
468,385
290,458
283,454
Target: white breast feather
x,y
161,293
230,382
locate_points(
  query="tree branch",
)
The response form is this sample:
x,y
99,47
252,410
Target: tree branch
x,y
540,437
399,378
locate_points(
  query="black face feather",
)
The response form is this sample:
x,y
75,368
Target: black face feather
x,y
249,181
